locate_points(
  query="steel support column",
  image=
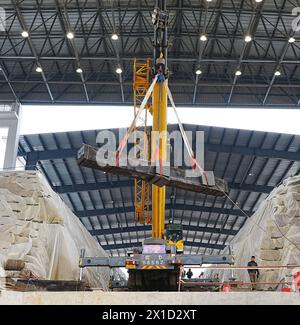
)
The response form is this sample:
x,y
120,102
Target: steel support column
x,y
10,119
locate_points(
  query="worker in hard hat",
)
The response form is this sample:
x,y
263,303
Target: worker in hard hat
x,y
253,273
189,274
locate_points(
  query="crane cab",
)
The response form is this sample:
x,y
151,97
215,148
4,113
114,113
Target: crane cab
x,y
174,237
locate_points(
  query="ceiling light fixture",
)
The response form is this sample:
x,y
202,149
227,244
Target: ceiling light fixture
x,y
203,38
25,34
114,37
292,40
70,35
119,70
248,38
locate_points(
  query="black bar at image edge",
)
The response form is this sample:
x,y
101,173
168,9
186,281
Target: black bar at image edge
x,y
135,314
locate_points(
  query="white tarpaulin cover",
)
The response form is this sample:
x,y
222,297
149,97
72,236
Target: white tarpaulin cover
x,y
272,234
37,227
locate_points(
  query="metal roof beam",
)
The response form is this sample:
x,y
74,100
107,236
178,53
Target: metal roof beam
x,y
266,153
177,206
128,58
202,47
108,231
92,186
99,6
52,154
5,75
173,84
32,47
284,51
65,26
253,25
129,183
144,8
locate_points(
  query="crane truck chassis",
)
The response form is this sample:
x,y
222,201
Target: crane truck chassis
x,y
154,266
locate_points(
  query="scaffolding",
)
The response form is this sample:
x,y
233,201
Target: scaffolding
x,y
141,80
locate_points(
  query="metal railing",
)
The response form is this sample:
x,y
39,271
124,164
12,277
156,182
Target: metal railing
x,y
290,282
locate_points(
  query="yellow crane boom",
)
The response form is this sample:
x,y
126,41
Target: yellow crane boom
x,y
158,148
159,154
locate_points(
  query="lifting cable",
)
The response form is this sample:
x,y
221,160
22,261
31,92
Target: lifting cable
x,y
184,136
132,126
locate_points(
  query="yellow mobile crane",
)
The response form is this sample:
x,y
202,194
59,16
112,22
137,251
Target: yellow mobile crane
x,y
158,109
156,265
